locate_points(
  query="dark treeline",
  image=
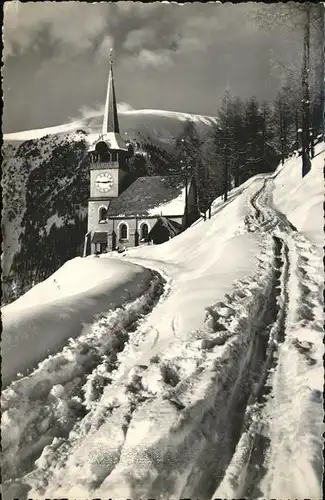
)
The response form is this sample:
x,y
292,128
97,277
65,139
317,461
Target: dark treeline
x,y
249,138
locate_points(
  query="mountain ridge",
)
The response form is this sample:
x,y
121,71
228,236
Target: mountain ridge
x,y
157,121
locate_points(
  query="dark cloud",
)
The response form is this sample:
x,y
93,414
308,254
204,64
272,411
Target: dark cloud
x,y
166,56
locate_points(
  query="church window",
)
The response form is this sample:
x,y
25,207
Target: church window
x,y
114,156
144,231
102,214
123,231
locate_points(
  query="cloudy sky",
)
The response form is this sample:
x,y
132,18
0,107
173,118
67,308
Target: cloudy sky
x,y
166,56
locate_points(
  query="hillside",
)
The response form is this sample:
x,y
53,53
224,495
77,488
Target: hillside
x,y
217,365
45,193
45,186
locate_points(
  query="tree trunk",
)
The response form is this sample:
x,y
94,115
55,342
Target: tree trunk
x,y
312,131
305,93
322,93
226,175
281,132
186,201
297,129
264,138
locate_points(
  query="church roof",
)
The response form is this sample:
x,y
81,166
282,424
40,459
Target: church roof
x,y
155,195
110,122
99,237
113,141
110,129
172,227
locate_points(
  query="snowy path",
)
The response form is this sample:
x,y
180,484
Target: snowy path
x,y
208,388
281,434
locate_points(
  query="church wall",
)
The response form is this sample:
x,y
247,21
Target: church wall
x,y
93,215
131,224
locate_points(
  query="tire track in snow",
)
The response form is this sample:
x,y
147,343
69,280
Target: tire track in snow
x,y
45,406
248,465
296,442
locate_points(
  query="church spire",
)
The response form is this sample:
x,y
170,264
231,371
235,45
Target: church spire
x,y
110,122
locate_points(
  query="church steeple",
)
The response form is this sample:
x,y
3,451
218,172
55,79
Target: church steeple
x,y
110,122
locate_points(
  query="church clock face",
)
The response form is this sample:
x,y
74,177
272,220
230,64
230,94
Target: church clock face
x,y
104,182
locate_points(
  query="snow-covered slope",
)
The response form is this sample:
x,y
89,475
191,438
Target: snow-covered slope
x,y
45,185
53,311
215,389
301,199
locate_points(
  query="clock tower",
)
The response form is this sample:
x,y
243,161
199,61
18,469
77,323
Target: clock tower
x,y
108,168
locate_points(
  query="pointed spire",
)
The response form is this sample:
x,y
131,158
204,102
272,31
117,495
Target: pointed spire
x,y
110,122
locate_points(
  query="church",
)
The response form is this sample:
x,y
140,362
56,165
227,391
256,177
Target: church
x,y
149,209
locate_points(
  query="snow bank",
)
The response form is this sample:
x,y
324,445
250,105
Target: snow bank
x,y
45,317
301,199
44,406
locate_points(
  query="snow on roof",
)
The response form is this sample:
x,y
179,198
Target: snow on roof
x,y
155,195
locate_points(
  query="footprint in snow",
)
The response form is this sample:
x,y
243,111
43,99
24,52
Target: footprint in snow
x,y
223,310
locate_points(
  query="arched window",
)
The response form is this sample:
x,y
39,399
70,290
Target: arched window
x,y
102,214
144,231
103,152
114,156
123,231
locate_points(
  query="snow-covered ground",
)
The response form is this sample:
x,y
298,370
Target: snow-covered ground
x,y
205,383
56,309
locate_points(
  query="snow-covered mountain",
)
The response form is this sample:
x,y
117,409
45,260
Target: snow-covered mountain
x,y
191,369
45,186
162,126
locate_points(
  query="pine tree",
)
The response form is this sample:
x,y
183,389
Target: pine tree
x,y
308,19
188,146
